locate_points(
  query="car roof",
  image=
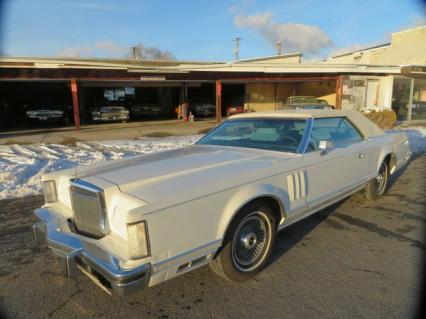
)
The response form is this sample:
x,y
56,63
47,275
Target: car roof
x,y
367,128
296,114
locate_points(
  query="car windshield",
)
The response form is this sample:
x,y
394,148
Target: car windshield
x,y
284,135
112,109
303,99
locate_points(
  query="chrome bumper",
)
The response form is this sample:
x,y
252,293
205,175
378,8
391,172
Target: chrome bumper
x,y
79,255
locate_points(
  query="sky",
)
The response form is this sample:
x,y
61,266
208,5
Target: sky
x,y
201,29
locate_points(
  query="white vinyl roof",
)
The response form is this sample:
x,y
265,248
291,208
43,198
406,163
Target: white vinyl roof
x,y
367,128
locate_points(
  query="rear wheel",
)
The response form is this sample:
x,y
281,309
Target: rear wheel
x,y
248,243
377,187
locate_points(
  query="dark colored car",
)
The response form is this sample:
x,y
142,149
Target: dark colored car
x,y
110,114
145,109
202,107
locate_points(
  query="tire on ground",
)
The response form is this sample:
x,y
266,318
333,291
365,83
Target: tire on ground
x,y
225,264
375,189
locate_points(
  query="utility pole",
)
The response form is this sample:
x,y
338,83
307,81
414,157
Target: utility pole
x,y
236,50
278,44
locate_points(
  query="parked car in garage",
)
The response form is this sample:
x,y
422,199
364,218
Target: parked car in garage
x,y
418,110
47,114
142,109
137,222
306,103
110,113
233,110
202,107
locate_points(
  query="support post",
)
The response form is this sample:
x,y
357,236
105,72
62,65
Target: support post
x,y
339,88
218,101
76,110
410,100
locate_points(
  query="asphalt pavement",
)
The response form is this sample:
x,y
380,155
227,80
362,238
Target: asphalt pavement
x,y
352,260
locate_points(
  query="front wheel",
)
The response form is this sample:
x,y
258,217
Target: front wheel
x,y
377,187
248,243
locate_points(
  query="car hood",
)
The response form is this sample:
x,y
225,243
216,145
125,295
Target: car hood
x,y
187,173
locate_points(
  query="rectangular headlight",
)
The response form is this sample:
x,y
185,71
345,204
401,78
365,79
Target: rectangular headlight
x,y
49,191
137,234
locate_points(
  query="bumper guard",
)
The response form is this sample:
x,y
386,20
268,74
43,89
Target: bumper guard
x,y
79,255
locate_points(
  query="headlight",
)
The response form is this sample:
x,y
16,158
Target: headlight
x,y
49,190
137,234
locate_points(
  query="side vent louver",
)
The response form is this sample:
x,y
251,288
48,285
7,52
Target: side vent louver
x,y
296,185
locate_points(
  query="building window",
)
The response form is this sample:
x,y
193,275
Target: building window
x,y
401,97
418,106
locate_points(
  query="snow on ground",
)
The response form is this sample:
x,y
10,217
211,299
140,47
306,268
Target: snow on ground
x,y
21,166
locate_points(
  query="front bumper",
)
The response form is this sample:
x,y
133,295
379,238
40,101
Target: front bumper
x,y
105,118
80,255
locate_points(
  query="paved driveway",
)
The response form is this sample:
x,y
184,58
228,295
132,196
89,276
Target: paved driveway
x,y
351,260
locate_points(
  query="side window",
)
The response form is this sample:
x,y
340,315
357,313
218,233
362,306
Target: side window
x,y
336,129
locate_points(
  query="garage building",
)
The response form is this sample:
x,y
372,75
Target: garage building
x,y
78,86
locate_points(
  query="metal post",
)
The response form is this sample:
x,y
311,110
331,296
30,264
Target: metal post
x,y
218,101
339,88
410,99
74,92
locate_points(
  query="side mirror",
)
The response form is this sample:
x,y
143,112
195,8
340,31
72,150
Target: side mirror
x,y
325,146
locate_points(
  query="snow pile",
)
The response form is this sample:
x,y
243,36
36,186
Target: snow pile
x,y
21,166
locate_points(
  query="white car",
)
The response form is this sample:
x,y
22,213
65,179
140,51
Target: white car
x,y
110,113
137,222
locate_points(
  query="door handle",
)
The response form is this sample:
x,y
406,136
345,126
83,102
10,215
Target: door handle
x,y
361,155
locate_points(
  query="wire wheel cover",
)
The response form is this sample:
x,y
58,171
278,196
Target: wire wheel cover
x,y
251,241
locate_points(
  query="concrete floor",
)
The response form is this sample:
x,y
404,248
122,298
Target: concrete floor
x,y
352,260
110,131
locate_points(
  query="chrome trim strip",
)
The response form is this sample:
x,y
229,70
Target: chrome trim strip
x,y
86,185
186,256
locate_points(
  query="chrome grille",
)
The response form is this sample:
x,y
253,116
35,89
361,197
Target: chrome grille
x,y
89,210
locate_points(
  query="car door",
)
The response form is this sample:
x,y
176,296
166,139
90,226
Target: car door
x,y
333,172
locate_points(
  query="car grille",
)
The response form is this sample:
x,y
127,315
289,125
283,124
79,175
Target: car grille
x,y
89,210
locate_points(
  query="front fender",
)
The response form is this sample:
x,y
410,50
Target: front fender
x,y
247,194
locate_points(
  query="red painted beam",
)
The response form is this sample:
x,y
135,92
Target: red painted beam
x,y
218,101
282,79
74,92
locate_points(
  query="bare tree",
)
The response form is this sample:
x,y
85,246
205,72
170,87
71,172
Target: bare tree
x,y
139,52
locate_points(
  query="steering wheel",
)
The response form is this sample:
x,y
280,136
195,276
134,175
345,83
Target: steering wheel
x,y
313,143
292,140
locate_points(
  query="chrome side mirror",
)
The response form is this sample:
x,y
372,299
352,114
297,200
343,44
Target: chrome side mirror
x,y
325,146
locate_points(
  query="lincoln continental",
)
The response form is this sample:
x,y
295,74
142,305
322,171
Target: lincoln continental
x,y
137,222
